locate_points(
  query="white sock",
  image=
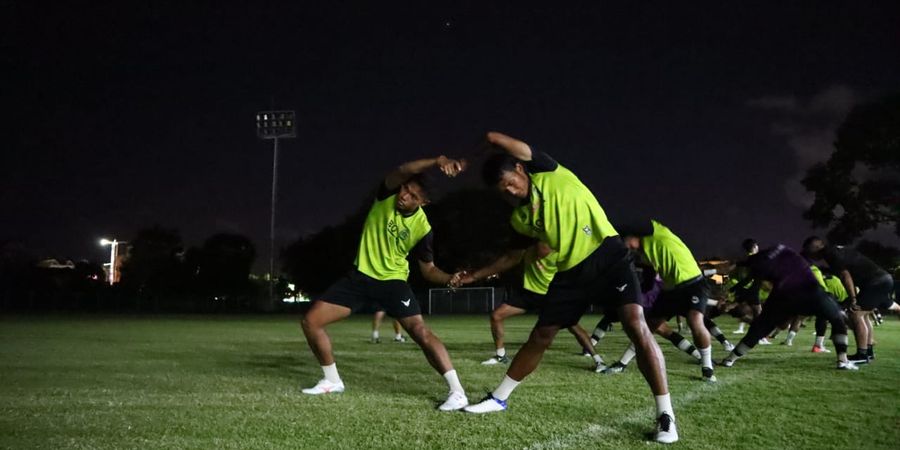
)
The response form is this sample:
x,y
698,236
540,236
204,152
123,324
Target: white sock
x,y
398,336
696,354
790,337
501,351
505,389
453,382
706,357
684,345
598,359
374,334
331,373
820,341
664,405
628,355
741,328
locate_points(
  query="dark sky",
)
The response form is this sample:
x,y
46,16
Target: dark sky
x,y
700,114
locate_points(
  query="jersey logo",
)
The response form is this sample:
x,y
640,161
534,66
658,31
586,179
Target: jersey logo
x,y
406,302
587,230
399,234
622,287
695,300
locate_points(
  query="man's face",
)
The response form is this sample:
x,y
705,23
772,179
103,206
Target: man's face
x,y
815,249
514,182
632,242
410,197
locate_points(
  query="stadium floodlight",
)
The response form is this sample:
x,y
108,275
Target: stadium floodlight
x,y
113,254
274,125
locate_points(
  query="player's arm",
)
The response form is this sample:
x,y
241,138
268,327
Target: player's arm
x,y
435,275
509,260
510,145
847,281
450,167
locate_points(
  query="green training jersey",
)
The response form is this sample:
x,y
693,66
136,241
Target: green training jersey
x,y
387,239
669,257
835,287
539,272
818,274
562,212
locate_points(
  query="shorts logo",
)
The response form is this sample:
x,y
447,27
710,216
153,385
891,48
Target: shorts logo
x,y
695,300
406,302
622,287
587,230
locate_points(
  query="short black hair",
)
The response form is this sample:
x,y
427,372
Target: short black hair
x,y
495,165
748,244
423,181
808,242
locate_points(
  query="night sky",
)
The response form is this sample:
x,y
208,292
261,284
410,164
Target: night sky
x,y
700,114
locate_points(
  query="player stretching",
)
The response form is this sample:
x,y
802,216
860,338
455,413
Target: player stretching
x,y
856,271
395,227
795,292
540,266
684,288
557,208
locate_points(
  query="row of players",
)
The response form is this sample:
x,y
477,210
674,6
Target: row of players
x,y
574,257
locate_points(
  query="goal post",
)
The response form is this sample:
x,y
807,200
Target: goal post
x,y
464,300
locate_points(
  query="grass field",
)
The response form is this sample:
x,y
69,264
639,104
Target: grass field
x,y
233,382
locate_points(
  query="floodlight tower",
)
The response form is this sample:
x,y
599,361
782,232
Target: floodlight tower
x,y
113,254
274,125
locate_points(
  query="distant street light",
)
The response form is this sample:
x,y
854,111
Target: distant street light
x,y
274,125
113,254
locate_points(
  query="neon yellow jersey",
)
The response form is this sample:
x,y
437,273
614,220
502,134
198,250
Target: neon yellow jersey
x,y
562,212
669,256
835,287
818,274
387,239
538,272
765,288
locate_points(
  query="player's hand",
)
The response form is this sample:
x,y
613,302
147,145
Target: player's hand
x,y
466,278
456,279
451,167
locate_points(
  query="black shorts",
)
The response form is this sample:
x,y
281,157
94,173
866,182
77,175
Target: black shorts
x,y
687,296
809,301
607,276
876,294
356,290
527,300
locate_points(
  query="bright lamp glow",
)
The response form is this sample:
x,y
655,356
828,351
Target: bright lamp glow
x,y
104,242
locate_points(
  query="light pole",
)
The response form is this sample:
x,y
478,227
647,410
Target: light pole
x,y
274,125
113,254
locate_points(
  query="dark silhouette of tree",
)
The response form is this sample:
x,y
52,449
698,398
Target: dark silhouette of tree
x,y
154,269
858,188
315,262
223,270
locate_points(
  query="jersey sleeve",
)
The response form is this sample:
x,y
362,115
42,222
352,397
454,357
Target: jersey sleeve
x,y
424,249
541,162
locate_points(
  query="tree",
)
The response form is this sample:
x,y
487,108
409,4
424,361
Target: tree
x,y
858,188
223,269
153,268
317,261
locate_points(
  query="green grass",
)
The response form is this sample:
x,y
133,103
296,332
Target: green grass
x,y
233,382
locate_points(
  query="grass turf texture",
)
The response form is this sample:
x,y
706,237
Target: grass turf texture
x,y
234,382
